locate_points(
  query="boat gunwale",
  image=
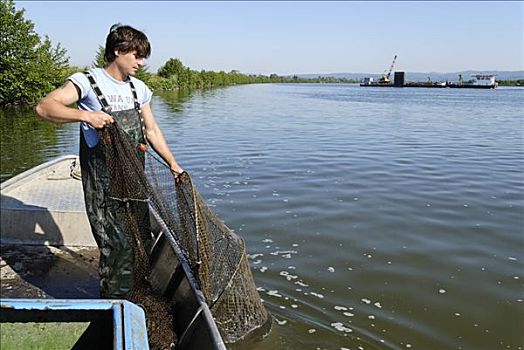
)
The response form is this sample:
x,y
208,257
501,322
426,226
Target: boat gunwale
x,y
24,177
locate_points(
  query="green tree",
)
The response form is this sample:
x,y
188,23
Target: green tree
x,y
173,67
143,74
29,67
99,61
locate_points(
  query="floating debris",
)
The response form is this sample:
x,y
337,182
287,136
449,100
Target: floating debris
x,y
302,284
274,293
254,256
283,322
339,326
288,276
318,295
278,252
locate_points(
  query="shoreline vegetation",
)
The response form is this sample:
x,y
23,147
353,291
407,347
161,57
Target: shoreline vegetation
x,y
31,67
518,82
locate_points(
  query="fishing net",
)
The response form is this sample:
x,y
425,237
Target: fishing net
x,y
216,256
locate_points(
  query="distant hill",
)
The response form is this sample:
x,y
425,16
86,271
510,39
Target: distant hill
x,y
417,76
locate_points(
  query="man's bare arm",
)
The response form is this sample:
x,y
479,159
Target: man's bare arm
x,y
55,108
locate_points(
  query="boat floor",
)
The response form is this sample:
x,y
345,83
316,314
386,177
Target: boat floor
x,y
56,272
45,206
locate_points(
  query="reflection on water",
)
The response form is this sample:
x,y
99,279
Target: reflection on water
x,y
175,100
374,218
28,141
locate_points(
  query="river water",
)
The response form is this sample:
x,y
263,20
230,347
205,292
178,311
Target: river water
x,y
374,218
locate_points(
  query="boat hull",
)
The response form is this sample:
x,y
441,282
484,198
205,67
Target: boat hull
x,y
434,86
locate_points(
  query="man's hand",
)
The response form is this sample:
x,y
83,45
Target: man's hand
x,y
176,171
99,119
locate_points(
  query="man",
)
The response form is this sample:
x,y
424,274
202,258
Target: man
x,y
104,95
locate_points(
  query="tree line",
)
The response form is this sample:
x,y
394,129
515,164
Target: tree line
x,y
31,67
173,75
518,82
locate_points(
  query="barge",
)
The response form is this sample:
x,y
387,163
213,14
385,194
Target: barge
x,y
478,81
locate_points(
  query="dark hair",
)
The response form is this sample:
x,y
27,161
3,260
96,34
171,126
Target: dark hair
x,y
126,39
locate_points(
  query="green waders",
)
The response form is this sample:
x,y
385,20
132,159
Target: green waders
x,y
116,252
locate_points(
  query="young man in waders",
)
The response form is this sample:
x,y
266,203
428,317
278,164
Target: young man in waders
x,y
105,95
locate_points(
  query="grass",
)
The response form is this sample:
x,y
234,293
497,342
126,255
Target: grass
x,y
48,336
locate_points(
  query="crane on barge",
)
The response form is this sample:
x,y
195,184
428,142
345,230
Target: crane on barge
x,y
384,79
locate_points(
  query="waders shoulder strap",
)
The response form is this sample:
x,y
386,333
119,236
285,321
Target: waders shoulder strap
x,y
101,98
107,108
137,107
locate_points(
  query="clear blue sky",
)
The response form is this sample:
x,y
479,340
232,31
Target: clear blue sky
x,y
298,37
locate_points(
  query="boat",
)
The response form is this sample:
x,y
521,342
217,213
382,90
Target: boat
x,y
477,81
48,253
120,324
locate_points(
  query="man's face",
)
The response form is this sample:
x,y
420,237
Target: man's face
x,y
129,63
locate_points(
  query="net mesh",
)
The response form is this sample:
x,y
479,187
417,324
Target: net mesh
x,y
216,255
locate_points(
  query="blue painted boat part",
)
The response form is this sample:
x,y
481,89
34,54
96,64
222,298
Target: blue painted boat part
x,y
125,319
